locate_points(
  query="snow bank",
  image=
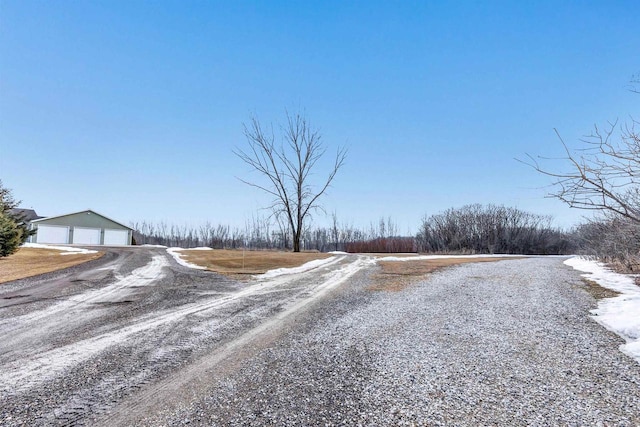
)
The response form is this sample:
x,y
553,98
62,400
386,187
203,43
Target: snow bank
x,y
65,250
293,270
620,314
175,253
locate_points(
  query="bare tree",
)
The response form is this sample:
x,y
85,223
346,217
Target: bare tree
x,y
285,229
491,229
603,176
612,239
288,168
335,231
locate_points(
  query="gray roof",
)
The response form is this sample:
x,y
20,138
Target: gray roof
x,y
42,218
23,214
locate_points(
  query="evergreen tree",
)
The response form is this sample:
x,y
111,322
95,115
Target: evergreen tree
x,y
7,201
11,235
12,225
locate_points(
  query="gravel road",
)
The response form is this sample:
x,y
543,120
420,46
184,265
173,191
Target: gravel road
x,y
136,339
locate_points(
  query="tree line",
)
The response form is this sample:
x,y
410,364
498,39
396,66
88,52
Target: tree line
x,y
474,229
269,233
490,229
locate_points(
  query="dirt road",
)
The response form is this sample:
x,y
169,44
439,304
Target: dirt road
x,y
135,339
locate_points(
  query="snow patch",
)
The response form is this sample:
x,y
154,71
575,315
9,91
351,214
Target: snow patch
x,y
65,250
618,314
24,374
294,270
175,253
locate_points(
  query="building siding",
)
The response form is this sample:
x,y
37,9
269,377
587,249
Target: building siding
x,y
85,219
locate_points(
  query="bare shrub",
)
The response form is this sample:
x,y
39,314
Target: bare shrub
x,y
613,239
478,229
383,245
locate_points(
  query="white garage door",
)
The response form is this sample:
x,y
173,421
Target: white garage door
x,y
116,237
52,234
86,236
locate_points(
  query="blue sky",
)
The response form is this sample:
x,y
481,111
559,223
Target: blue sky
x,y
133,108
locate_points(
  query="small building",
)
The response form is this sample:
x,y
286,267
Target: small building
x,y
24,215
81,228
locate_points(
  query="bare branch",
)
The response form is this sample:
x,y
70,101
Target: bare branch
x,y
288,169
603,176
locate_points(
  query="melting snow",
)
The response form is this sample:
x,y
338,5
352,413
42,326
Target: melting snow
x,y
294,270
25,374
175,253
66,250
620,314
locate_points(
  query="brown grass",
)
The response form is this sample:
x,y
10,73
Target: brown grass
x,y
597,291
28,262
238,263
395,276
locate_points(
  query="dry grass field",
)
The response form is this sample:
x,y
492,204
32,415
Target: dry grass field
x,y
394,276
29,262
240,263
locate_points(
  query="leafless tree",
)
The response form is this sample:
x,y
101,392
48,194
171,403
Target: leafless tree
x,y
262,232
284,234
288,168
612,239
335,231
490,229
603,176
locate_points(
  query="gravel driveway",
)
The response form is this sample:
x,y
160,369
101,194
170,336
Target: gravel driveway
x,y
504,343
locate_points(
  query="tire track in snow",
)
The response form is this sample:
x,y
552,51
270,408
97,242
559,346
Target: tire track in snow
x,y
142,276
157,396
26,330
25,374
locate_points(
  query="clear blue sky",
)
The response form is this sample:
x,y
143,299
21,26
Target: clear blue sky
x,y
133,108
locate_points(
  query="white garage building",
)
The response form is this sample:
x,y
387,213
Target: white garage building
x,y
81,228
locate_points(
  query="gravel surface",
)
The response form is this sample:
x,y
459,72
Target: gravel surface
x,y
77,343
506,343
136,339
